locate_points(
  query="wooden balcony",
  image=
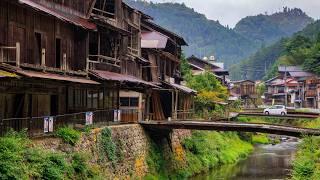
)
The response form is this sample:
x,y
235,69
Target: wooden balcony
x,y
311,93
103,60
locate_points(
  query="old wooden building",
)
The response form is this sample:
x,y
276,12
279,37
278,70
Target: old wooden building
x,y
74,62
199,66
163,50
244,90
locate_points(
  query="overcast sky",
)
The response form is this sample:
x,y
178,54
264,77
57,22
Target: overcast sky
x,y
229,12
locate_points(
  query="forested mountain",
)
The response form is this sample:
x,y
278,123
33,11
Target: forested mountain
x,y
207,37
267,29
303,48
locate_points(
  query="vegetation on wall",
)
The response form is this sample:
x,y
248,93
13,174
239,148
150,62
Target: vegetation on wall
x,y
68,135
20,160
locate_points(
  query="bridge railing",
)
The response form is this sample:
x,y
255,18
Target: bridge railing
x,y
40,126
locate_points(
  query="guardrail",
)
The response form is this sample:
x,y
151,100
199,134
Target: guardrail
x,y
40,126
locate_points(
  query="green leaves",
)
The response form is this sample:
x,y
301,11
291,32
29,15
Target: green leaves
x,y
69,135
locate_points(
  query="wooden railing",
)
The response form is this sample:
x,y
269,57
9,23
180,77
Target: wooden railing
x,y
133,51
100,59
311,93
6,49
40,126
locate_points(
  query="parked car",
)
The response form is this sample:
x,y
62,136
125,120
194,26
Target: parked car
x,y
276,110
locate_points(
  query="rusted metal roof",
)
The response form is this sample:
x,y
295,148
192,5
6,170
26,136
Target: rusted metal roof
x,y
165,31
52,76
153,40
111,76
181,88
73,19
6,74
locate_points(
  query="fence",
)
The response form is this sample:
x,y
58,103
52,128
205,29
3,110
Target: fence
x,y
40,126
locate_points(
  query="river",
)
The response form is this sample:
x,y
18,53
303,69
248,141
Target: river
x,y
266,162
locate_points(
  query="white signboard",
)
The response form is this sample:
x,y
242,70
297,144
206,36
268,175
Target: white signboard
x,y
89,118
117,115
48,124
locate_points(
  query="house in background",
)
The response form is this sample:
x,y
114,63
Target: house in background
x,y
301,88
198,66
245,90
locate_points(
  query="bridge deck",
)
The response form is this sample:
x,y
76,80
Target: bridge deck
x,y
232,126
288,116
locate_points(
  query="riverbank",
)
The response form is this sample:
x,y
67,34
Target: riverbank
x,y
119,152
306,164
203,151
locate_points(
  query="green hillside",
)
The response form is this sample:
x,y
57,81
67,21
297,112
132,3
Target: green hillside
x,y
267,29
302,48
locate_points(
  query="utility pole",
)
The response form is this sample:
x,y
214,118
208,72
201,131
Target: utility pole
x,y
285,86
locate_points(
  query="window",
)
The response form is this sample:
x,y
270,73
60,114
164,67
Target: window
x,y
134,102
129,101
92,99
125,101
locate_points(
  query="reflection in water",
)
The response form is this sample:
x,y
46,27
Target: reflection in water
x,y
267,162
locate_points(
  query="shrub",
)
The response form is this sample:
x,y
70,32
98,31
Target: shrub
x,y
108,147
68,135
12,164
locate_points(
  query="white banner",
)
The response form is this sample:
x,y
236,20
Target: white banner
x,y
48,124
89,118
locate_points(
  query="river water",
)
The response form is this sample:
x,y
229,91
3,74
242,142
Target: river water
x,y
266,162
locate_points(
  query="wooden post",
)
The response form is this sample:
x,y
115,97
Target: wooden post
x,y
87,66
172,104
64,63
176,105
2,56
43,57
17,54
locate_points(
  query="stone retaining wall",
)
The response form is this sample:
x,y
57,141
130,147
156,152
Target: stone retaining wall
x,y
135,144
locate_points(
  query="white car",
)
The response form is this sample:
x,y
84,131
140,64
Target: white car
x,y
276,110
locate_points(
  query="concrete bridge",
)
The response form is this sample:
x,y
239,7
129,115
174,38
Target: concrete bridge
x,y
232,126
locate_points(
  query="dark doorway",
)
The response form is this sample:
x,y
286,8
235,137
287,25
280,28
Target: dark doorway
x,y
18,105
37,49
58,53
54,105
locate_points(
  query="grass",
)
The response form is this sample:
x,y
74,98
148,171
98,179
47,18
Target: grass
x,y
20,159
204,150
260,139
307,165
68,135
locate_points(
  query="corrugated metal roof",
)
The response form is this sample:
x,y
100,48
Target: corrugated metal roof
x,y
301,74
111,76
289,68
153,40
52,76
76,20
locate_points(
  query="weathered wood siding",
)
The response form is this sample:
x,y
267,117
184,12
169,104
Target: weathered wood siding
x,y
21,24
